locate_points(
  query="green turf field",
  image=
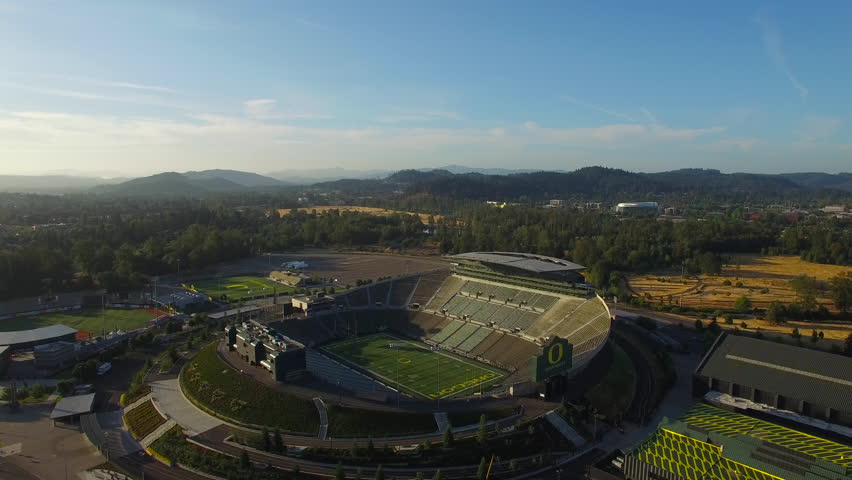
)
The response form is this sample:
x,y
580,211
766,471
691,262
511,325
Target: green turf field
x,y
239,287
416,366
88,320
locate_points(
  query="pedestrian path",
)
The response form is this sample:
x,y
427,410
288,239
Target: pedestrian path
x,y
156,434
442,421
171,402
566,430
138,402
323,414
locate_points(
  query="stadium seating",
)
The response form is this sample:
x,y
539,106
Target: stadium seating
x,y
427,286
449,288
318,329
511,350
379,292
475,339
401,290
358,298
341,375
493,337
447,331
460,335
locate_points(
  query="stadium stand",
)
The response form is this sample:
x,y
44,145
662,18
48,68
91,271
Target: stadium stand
x,y
461,335
511,350
447,331
493,337
379,292
475,339
401,291
336,373
309,330
358,298
707,442
427,286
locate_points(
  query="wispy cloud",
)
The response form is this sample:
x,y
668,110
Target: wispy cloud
x,y
313,24
135,99
117,84
816,128
413,115
598,108
772,42
265,109
648,115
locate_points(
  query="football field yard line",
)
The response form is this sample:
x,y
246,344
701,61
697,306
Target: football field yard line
x,y
382,366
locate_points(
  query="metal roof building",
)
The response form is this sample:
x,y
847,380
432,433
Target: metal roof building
x,y
525,261
37,336
72,406
809,382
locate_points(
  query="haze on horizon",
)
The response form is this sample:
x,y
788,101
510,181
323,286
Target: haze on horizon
x,y
135,88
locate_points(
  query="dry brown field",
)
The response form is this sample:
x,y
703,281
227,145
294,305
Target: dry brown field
x,y
765,279
424,217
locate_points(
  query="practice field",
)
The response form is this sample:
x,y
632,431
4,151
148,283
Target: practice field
x,y
420,371
91,320
239,287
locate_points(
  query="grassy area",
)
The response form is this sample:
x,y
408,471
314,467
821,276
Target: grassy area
x,y
235,288
612,396
417,369
217,388
764,279
143,420
92,320
351,422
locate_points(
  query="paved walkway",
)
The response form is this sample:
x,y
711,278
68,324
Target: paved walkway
x,y
323,415
565,429
119,440
442,421
171,402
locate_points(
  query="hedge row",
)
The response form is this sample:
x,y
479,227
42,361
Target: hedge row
x,y
353,422
143,420
215,386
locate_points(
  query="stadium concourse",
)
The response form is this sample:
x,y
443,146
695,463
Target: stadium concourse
x,y
494,322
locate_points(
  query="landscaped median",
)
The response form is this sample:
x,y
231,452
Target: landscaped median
x,y
353,422
221,391
143,420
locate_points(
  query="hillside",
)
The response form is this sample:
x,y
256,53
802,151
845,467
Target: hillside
x,y
246,179
55,184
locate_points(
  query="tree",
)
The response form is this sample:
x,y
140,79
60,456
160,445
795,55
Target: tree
x,y
278,442
482,470
353,450
795,333
245,463
806,289
847,346
419,476
699,325
841,291
742,304
482,432
371,448
339,473
264,433
448,439
773,313
380,473
513,465
814,336
437,475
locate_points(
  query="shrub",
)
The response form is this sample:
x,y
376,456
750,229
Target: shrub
x,y
143,420
726,283
739,285
744,325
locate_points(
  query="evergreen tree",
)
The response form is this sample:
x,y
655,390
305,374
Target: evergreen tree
x,y
245,463
482,470
448,440
264,433
278,441
380,473
437,475
482,433
339,474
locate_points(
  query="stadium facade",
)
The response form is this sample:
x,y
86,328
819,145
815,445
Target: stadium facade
x,y
527,315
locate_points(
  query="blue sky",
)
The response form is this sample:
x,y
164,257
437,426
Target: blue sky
x,y
130,88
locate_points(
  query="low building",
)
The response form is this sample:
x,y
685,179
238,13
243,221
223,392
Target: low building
x,y
637,208
27,339
55,355
262,346
5,358
313,304
287,278
235,315
808,382
69,409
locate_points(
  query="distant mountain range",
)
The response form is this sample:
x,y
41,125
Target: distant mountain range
x,y
454,180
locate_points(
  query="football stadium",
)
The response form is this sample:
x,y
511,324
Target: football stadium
x,y
493,322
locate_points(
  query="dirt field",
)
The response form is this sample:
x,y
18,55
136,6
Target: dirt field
x,y
345,267
765,279
424,217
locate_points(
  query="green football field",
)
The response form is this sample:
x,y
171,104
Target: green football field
x,y
238,287
418,370
91,320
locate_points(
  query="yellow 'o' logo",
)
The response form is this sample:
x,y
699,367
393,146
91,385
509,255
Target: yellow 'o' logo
x,y
555,353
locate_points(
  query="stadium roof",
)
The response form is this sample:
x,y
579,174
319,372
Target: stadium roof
x,y
525,261
70,406
35,335
711,443
814,376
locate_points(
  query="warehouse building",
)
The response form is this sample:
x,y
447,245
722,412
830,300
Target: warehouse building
x,y
808,382
27,339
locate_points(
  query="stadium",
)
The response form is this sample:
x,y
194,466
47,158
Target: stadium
x,y
495,322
